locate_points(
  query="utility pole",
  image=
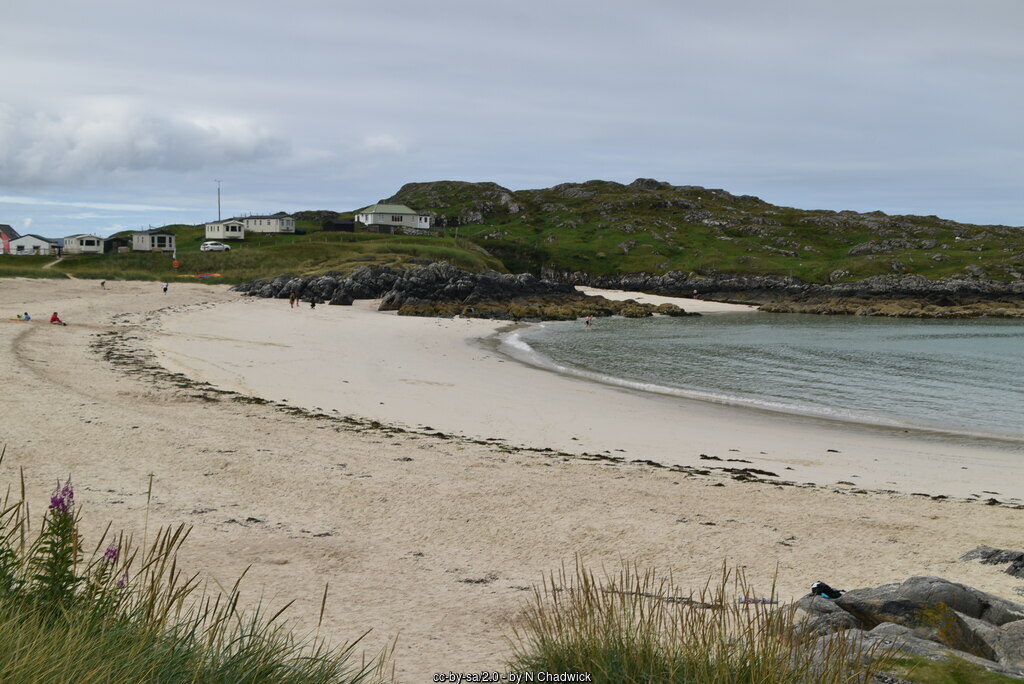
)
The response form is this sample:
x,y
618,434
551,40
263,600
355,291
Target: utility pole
x,y
217,181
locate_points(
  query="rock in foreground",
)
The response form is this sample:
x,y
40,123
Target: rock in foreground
x,y
925,616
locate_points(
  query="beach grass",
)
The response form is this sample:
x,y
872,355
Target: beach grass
x,y
635,626
129,613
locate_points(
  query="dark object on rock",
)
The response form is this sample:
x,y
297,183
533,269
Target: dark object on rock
x,y
993,556
823,590
926,616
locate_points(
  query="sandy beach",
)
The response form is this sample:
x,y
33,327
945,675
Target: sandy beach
x,y
433,539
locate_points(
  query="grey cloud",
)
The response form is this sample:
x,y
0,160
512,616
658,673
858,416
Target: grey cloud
x,y
77,145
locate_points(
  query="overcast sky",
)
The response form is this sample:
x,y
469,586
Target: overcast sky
x,y
121,115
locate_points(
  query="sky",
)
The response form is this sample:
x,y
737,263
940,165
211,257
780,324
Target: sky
x,y
123,115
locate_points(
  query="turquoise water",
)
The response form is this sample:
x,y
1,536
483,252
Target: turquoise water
x,y
964,376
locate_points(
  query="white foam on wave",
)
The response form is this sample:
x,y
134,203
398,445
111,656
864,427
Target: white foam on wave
x,y
514,346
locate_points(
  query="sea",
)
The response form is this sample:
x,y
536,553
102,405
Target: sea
x,y
957,376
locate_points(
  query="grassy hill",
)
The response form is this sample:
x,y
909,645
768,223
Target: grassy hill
x,y
599,227
607,228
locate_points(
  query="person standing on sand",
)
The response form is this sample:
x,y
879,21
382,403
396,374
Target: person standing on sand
x,y
312,302
165,287
292,299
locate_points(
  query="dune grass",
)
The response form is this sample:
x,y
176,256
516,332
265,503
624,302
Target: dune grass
x,y
634,626
130,614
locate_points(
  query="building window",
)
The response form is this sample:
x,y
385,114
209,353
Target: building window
x,y
396,219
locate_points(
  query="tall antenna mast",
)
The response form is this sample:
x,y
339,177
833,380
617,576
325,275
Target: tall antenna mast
x,y
217,181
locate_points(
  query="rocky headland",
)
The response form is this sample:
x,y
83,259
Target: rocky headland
x,y
440,289
907,296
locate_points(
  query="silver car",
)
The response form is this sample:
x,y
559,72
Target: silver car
x,y
214,247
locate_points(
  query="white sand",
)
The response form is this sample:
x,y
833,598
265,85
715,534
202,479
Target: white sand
x,y
429,372
399,538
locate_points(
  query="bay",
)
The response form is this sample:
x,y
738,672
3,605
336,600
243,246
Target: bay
x,y
962,376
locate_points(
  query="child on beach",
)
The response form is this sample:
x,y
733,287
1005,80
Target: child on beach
x,y
55,319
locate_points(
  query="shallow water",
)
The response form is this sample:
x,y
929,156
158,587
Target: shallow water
x,y
962,375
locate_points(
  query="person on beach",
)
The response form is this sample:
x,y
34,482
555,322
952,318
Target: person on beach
x,y
55,319
292,298
312,303
589,320
165,287
103,284
26,317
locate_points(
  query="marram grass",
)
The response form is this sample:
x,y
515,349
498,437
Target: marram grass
x,y
131,614
635,626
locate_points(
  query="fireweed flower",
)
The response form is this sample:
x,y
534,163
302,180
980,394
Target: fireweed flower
x,y
62,501
124,579
110,555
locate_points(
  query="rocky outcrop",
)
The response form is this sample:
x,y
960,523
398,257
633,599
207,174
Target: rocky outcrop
x,y
888,295
1014,560
440,289
926,616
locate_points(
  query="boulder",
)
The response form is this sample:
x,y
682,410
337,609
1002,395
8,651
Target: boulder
x,y
992,556
926,616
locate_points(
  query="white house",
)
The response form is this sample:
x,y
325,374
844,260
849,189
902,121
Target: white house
x,y
393,218
83,244
232,229
34,244
279,223
153,241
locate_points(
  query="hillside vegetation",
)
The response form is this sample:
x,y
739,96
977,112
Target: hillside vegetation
x,y
600,228
606,228
260,256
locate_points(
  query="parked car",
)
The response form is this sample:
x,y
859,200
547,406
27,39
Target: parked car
x,y
212,246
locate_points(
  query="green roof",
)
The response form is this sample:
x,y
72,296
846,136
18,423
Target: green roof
x,y
386,209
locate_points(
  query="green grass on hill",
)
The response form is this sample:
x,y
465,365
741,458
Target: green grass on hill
x,y
606,228
259,256
600,228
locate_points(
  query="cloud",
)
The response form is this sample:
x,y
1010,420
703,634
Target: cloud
x,y
26,223
107,137
102,206
382,143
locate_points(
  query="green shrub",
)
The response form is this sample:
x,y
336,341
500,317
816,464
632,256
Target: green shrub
x,y
129,614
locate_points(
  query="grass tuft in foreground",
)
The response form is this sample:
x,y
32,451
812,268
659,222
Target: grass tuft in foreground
x,y
636,627
128,614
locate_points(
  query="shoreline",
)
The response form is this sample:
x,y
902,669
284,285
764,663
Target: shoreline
x,y
496,344
420,536
414,372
